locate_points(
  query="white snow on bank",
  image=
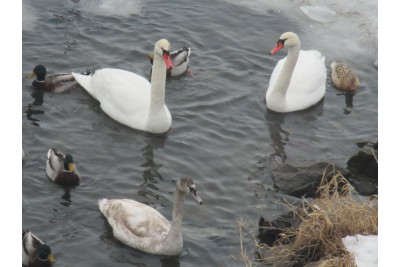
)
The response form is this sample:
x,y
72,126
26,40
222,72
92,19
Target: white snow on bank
x,y
364,249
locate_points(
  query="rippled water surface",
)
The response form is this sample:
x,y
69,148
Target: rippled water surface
x,y
221,134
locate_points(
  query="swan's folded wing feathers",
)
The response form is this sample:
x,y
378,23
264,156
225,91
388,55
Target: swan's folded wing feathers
x,y
133,221
121,101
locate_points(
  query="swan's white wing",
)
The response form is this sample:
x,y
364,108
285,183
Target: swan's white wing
x,y
135,224
123,95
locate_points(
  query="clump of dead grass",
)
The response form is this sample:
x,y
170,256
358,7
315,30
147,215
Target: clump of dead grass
x,y
324,222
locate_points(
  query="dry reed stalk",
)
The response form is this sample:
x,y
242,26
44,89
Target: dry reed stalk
x,y
243,255
324,222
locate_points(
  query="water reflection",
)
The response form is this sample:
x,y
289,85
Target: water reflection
x,y
151,174
66,198
35,107
279,136
150,168
170,262
349,102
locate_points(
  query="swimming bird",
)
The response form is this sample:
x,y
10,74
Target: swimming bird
x,y
58,83
144,228
298,80
179,59
131,99
61,168
35,253
343,77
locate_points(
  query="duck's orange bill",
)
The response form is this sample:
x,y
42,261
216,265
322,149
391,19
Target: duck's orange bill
x,y
278,47
167,60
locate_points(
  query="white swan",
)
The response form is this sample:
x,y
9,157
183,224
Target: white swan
x,y
298,80
129,98
142,227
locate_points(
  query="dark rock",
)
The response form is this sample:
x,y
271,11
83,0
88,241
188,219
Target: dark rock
x,y
302,179
363,167
269,231
364,162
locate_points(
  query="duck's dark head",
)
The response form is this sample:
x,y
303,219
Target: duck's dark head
x,y
39,71
44,253
69,163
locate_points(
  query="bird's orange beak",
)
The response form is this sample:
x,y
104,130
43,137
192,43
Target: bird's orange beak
x,y
278,47
167,60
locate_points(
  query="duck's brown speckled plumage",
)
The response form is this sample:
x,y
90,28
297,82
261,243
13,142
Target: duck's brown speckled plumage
x,y
343,77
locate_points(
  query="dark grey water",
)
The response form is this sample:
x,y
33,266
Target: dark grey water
x,y
221,134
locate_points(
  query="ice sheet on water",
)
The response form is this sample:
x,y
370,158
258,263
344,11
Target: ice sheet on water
x,y
349,28
123,8
319,13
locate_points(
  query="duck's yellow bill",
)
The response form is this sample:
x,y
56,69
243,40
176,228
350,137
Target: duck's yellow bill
x,y
71,167
51,259
31,75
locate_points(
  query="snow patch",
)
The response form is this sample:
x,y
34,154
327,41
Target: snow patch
x,y
364,249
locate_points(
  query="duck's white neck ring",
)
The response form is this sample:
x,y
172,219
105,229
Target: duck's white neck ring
x,y
39,81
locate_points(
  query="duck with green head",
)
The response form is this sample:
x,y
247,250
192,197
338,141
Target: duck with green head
x,y
58,82
61,168
35,253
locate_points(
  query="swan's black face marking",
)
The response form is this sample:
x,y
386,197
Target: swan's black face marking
x,y
281,41
165,52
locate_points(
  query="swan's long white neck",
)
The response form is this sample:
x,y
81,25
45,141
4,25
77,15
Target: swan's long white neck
x,y
158,76
283,81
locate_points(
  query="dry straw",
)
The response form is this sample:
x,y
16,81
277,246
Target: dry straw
x,y
324,222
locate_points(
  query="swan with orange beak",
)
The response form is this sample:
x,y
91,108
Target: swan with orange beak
x,y
130,98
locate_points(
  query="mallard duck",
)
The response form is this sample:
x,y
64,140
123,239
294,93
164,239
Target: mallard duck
x,y
131,99
343,77
61,169
35,253
58,83
298,80
179,59
142,227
